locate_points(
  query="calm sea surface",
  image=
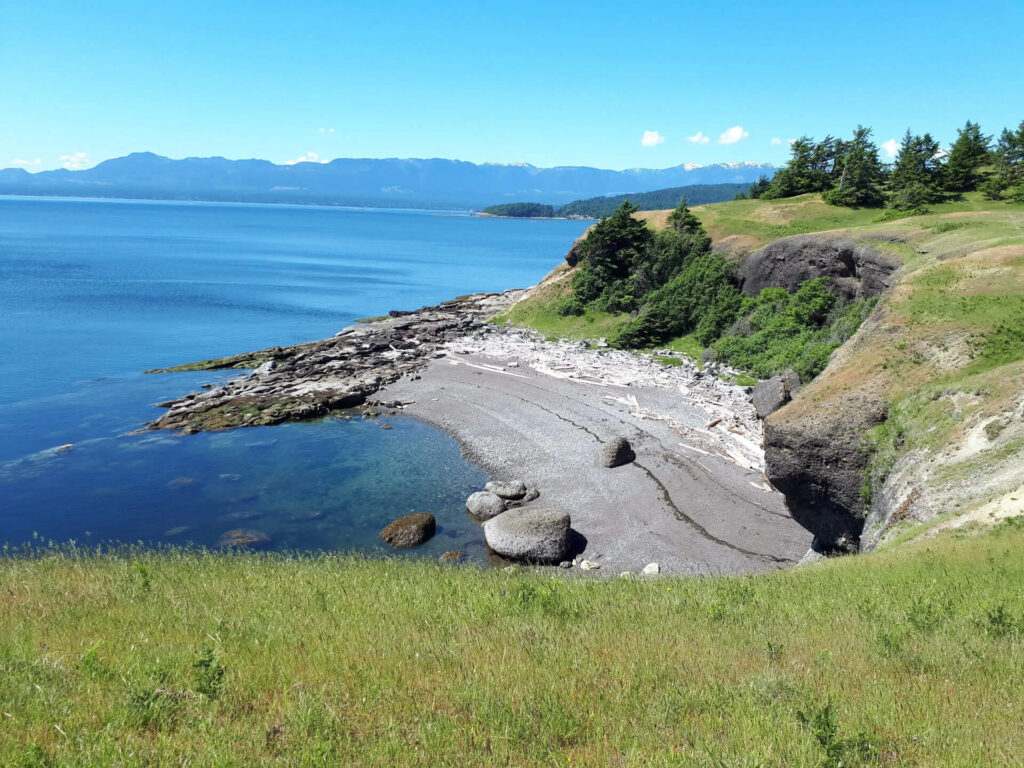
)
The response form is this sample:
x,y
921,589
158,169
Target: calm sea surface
x,y
94,292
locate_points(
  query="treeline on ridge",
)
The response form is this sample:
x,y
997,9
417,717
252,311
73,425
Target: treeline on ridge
x,y
850,173
596,207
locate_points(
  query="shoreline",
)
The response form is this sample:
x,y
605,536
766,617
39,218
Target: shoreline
x,y
695,500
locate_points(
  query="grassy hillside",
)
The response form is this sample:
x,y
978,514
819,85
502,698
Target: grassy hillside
x,y
908,659
944,348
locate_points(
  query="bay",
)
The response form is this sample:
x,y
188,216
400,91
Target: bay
x,y
94,292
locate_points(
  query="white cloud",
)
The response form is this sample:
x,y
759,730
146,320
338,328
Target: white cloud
x,y
778,142
734,134
891,147
325,130
698,138
652,139
75,162
309,157
26,163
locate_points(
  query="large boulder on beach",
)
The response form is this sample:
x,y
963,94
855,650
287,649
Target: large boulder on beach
x,y
485,505
409,530
771,394
616,452
512,490
533,534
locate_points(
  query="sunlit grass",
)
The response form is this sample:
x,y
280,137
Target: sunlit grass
x,y
914,657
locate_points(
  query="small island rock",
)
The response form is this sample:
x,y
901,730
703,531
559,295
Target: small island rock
x,y
409,530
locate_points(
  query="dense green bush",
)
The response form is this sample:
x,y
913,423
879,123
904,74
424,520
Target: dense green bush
x,y
778,330
700,299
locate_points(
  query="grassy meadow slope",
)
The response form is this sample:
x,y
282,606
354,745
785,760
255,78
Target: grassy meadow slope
x,y
910,655
944,348
892,659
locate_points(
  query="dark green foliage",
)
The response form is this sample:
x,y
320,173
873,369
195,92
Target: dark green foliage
x,y
823,722
758,188
683,220
700,299
993,188
778,330
809,169
658,200
522,210
609,257
916,175
1010,156
209,673
859,172
969,152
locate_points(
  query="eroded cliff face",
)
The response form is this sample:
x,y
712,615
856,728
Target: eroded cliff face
x,y
817,457
919,417
818,462
855,270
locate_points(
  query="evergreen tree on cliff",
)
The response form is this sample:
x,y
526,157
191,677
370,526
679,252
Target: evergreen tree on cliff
x,y
859,173
968,153
682,218
608,255
916,175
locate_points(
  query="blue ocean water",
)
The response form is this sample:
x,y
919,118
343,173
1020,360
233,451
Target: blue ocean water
x,y
94,292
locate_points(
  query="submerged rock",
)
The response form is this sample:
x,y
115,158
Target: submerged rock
x,y
409,530
242,537
485,505
513,490
533,534
616,452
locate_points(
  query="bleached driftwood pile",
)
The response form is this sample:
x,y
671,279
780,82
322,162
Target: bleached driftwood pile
x,y
719,420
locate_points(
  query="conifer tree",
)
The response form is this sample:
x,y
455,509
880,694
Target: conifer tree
x,y
968,153
859,172
916,174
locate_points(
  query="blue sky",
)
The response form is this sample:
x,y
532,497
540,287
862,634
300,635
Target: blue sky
x,y
571,83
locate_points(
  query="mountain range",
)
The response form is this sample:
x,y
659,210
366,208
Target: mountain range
x,y
392,182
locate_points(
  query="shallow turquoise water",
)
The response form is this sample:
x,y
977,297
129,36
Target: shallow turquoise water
x,y
94,292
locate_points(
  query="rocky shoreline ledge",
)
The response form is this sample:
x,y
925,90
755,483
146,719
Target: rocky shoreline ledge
x,y
309,380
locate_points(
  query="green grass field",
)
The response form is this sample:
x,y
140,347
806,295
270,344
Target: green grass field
x,y
909,658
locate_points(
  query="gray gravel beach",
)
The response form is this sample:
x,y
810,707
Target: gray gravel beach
x,y
695,500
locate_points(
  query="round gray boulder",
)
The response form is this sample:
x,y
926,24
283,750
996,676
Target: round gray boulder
x,y
616,452
485,505
514,489
534,534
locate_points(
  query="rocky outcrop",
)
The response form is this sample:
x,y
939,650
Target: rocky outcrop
x,y
531,534
615,453
572,258
818,462
484,505
855,271
771,394
409,530
309,380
